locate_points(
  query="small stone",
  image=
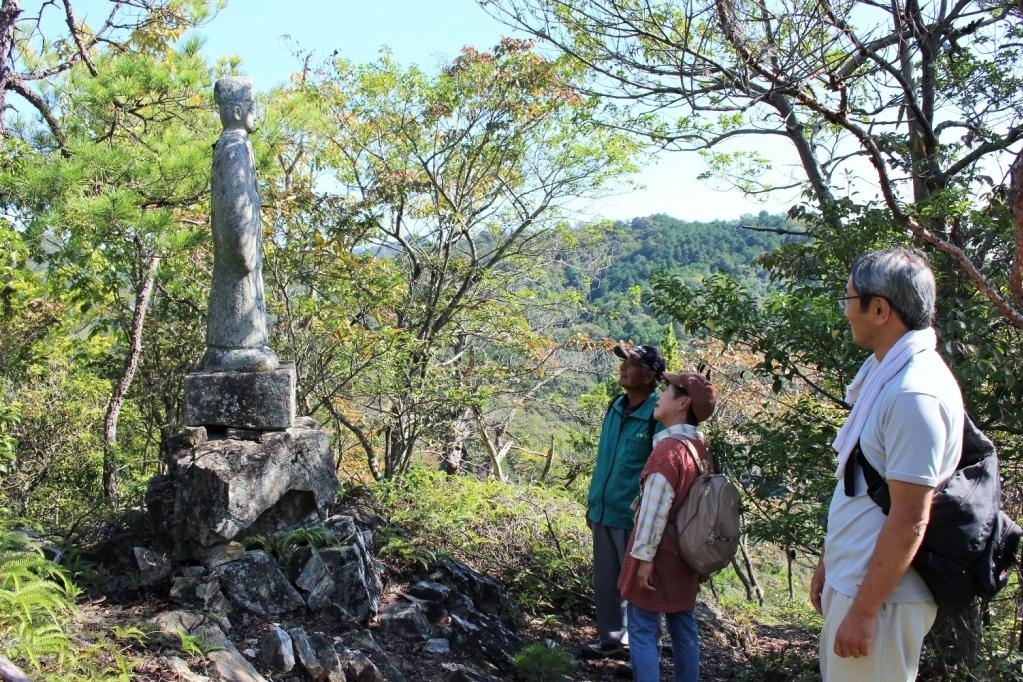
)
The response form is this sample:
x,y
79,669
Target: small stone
x,y
210,627
437,646
181,671
484,637
364,640
193,571
405,620
153,566
188,437
209,596
359,668
317,655
249,653
255,584
430,591
229,666
277,651
458,672
223,553
183,590
306,423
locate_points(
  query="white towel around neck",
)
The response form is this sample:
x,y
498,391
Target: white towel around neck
x,y
867,385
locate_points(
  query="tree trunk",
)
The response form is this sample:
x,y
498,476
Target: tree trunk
x,y
790,554
742,578
341,420
1016,271
750,572
496,452
547,462
1019,608
453,456
131,363
9,11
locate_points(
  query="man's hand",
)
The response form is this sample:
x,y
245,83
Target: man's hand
x,y
817,585
900,536
855,635
646,570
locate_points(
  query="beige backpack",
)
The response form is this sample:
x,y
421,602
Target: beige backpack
x,y
708,524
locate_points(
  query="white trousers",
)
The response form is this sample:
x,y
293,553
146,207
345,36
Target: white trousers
x,y
895,651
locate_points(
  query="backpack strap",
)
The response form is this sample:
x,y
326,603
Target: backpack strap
x,y
877,487
690,448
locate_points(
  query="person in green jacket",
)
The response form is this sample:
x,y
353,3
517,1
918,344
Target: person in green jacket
x,y
625,442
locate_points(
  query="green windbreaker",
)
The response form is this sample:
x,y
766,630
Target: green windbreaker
x,y
621,455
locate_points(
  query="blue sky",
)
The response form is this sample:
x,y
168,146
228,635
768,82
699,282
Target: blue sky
x,y
265,33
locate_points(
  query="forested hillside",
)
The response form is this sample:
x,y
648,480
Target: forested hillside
x,y
642,247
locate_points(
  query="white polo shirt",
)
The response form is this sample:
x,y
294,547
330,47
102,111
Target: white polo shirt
x,y
913,434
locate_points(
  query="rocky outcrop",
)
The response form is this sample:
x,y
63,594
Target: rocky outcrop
x,y
309,602
219,489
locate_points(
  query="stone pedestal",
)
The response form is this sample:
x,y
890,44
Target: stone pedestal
x,y
223,489
262,401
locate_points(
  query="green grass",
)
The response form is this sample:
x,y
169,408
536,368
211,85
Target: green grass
x,y
778,608
532,538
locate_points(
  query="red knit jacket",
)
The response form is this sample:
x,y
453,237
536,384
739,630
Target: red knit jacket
x,y
675,584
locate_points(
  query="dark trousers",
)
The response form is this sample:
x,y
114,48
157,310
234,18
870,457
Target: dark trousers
x,y
608,557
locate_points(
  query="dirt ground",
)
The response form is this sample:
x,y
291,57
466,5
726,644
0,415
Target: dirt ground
x,y
719,661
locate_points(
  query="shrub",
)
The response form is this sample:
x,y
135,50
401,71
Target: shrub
x,y
539,662
534,539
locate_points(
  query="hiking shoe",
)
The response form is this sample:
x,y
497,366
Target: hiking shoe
x,y
604,650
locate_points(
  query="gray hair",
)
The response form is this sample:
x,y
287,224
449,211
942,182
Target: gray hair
x,y
901,276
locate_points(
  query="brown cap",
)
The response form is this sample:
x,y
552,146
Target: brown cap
x,y
647,356
699,389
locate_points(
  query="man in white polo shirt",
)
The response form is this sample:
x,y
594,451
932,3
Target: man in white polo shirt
x,y
907,418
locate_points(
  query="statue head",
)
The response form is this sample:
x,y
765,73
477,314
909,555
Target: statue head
x,y
233,96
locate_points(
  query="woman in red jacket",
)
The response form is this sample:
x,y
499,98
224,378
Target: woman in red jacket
x,y
654,579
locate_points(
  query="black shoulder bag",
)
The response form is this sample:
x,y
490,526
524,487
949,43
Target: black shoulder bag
x,y
970,544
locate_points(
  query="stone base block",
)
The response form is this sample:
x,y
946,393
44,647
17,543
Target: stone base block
x,y
226,488
263,401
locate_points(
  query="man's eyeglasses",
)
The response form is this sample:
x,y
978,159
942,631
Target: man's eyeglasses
x,y
843,301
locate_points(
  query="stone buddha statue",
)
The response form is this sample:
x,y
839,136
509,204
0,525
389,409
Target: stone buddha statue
x,y
236,318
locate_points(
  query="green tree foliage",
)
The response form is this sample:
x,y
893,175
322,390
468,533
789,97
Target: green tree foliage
x,y
46,39
450,202
113,200
668,346
931,111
